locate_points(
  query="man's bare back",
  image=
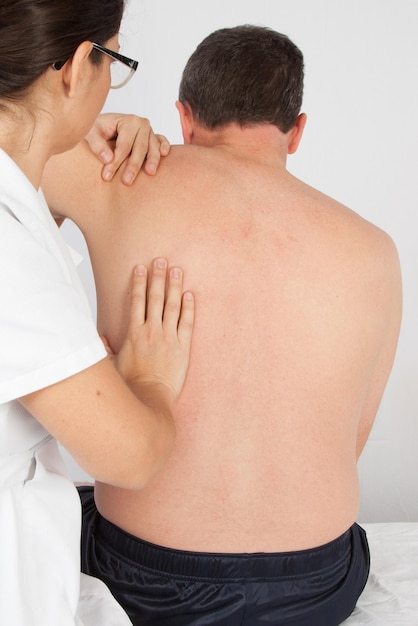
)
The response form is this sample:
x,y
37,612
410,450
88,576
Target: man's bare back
x,y
285,378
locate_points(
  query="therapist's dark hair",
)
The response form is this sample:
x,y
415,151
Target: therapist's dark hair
x,y
246,75
34,34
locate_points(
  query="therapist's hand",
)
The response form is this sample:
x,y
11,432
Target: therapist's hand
x,y
154,357
127,141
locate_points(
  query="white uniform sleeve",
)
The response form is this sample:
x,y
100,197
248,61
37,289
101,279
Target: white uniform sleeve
x,y
47,332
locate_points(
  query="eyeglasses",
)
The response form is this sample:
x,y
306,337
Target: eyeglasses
x,y
121,69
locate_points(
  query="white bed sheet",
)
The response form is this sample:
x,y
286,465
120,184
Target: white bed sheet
x,y
390,597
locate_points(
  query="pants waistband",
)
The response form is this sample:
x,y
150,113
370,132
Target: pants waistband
x,y
335,555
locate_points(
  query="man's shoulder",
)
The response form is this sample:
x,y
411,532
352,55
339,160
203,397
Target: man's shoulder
x,y
355,239
186,166
350,222
373,248
188,155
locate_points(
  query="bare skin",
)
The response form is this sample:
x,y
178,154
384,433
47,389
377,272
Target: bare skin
x,y
286,375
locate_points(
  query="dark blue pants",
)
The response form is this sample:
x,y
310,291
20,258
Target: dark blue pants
x,y
164,587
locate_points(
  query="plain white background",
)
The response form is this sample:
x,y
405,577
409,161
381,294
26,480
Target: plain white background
x,y
360,144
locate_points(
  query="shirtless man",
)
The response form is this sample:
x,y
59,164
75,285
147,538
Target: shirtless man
x,y
284,381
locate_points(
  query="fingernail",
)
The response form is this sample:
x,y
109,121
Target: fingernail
x,y
107,175
188,295
176,272
106,156
140,270
128,179
160,263
151,168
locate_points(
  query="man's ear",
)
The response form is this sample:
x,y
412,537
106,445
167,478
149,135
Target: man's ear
x,y
76,68
186,121
295,134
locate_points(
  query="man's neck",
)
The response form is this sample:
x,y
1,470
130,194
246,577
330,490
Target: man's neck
x,y
263,142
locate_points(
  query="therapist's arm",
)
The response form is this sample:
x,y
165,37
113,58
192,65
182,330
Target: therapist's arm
x,y
115,417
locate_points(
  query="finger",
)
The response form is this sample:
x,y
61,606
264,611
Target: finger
x,y
186,321
133,150
99,146
165,145
138,298
172,306
106,125
102,132
130,148
156,292
132,162
158,146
